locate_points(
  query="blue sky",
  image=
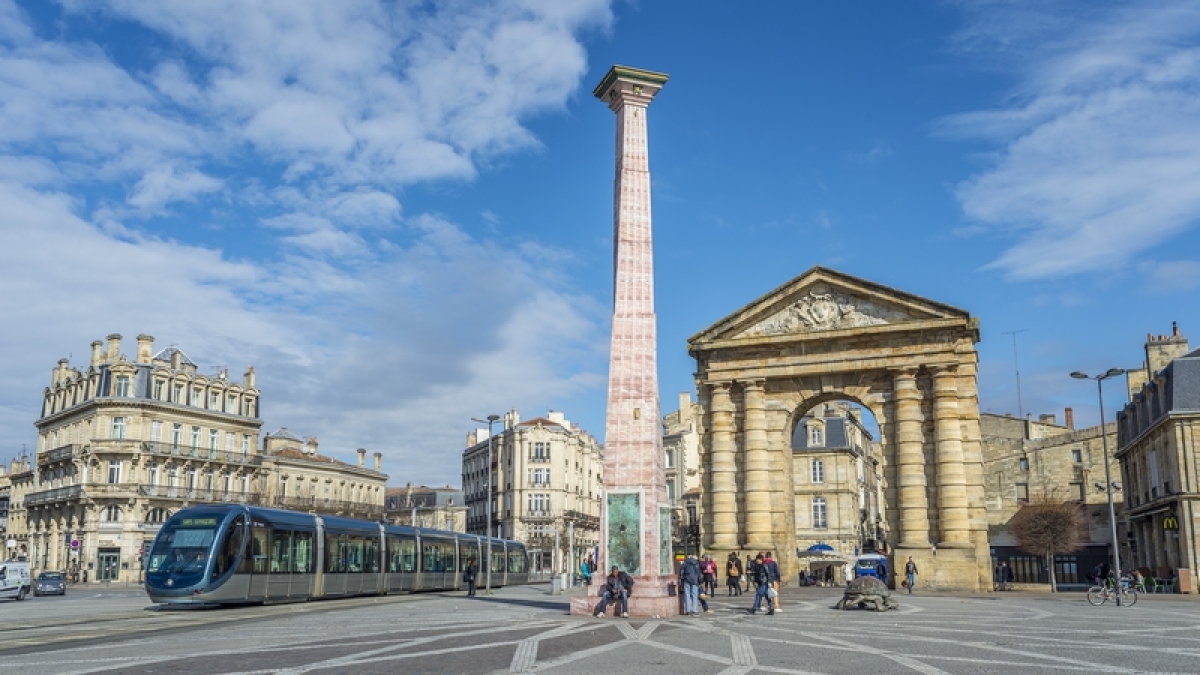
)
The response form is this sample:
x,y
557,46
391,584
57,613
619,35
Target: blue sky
x,y
401,213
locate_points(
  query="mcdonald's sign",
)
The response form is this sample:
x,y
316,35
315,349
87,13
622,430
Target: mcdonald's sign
x,y
1170,523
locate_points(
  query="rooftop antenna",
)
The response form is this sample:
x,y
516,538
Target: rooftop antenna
x,y
1017,368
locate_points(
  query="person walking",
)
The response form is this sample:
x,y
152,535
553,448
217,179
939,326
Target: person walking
x,y
617,586
773,578
708,571
469,573
733,575
762,581
910,574
690,578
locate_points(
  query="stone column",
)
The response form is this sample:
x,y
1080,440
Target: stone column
x,y
724,470
758,468
972,445
910,462
636,523
951,474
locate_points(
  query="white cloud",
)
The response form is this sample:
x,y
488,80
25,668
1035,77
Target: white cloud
x,y
1170,276
162,185
1100,139
368,327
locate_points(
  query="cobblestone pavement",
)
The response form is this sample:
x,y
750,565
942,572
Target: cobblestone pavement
x,y
526,630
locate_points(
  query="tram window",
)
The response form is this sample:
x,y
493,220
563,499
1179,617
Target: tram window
x,y
428,555
354,554
408,555
370,555
230,546
497,560
516,561
333,554
302,557
450,559
281,552
259,547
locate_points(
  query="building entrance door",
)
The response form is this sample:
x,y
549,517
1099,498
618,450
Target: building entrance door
x,y
108,564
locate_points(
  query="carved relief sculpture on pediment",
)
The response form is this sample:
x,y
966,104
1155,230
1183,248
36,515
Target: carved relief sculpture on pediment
x,y
824,309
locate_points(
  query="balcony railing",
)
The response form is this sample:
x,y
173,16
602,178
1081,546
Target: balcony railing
x,y
211,454
52,495
63,452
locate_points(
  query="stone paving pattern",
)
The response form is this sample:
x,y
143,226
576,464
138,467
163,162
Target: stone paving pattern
x,y
527,630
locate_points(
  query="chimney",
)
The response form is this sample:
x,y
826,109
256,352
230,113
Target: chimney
x,y
471,439
1069,417
96,353
59,372
114,348
248,378
362,456
310,445
145,348
379,461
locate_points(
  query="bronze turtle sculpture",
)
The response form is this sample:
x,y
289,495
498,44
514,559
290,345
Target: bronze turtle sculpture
x,y
867,589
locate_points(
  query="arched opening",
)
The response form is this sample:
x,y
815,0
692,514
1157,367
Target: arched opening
x,y
837,472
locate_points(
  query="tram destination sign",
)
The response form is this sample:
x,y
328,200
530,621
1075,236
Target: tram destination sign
x,y
198,522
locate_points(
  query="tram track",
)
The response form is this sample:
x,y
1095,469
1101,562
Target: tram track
x,y
70,632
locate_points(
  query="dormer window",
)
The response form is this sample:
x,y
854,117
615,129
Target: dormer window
x,y
815,437
122,386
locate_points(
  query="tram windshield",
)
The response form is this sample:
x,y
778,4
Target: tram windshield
x,y
183,545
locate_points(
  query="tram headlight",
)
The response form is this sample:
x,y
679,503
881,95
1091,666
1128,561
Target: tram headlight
x,y
170,582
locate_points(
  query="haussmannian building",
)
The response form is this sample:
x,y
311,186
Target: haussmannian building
x,y
681,450
1159,436
421,506
547,482
125,443
838,481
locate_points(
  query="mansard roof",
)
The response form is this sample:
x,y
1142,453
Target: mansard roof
x,y
282,432
823,299
167,353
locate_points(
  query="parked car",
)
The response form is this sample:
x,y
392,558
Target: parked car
x,y
50,583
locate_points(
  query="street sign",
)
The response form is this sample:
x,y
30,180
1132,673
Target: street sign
x,y
74,543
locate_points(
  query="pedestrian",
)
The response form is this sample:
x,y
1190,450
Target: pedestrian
x,y
690,578
773,578
910,574
846,573
585,570
469,573
617,586
708,571
749,572
762,581
733,574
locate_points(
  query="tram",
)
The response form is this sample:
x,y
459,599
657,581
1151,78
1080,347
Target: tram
x,y
237,554
871,565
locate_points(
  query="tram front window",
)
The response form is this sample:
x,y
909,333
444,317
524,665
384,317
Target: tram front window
x,y
182,548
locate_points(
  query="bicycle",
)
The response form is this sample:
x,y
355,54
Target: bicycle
x,y
1121,594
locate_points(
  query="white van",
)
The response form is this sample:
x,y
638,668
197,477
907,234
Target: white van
x,y
14,579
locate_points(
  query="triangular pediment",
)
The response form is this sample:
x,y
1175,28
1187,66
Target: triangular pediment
x,y
822,300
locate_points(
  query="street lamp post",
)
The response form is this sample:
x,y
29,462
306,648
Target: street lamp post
x,y
1112,511
491,419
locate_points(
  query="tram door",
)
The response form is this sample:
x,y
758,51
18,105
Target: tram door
x,y
258,551
279,570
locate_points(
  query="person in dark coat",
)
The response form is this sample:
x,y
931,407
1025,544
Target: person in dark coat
x,y
733,574
690,578
762,580
469,574
617,586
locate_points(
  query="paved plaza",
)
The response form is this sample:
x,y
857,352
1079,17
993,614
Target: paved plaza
x,y
527,630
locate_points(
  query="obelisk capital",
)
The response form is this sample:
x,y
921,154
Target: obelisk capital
x,y
629,86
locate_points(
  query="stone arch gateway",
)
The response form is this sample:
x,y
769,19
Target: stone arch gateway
x,y
824,335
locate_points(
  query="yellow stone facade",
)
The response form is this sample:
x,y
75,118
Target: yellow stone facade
x,y
828,336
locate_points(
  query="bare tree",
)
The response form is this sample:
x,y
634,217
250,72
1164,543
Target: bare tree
x,y
1049,526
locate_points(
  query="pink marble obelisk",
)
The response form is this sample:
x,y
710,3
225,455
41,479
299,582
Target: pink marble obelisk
x,y
635,520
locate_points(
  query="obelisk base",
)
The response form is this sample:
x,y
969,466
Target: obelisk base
x,y
651,599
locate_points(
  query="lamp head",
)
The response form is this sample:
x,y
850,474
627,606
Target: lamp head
x,y
1113,372
493,418
1080,376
